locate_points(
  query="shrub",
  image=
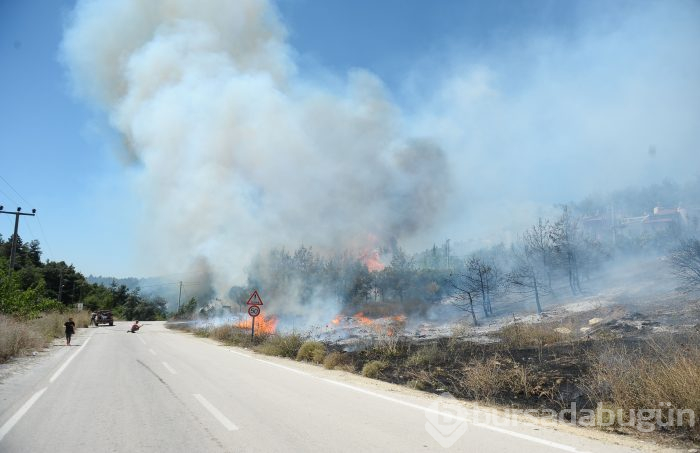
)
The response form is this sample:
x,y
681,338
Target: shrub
x,y
426,356
281,345
232,335
338,360
373,369
312,351
521,335
485,380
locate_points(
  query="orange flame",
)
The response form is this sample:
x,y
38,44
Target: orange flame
x,y
388,325
372,261
263,325
362,319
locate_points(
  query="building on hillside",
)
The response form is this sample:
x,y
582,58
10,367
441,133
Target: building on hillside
x,y
661,219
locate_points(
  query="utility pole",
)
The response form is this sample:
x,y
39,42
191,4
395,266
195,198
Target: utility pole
x,y
14,236
179,297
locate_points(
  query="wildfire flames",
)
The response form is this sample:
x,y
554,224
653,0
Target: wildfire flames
x,y
372,261
384,325
262,324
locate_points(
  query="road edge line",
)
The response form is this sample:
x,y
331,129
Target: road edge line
x,y
12,421
70,359
534,439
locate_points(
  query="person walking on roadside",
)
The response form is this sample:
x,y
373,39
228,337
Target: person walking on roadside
x,y
70,330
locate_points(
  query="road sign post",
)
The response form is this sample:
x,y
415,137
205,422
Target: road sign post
x,y
254,302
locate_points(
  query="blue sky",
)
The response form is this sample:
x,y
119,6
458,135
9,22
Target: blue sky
x,y
62,158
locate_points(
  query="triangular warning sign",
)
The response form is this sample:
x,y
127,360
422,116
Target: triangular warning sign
x,y
254,299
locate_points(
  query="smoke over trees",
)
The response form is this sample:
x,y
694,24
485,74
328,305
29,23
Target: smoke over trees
x,y
685,260
207,98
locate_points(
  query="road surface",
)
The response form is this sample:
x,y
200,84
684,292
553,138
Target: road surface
x,y
165,391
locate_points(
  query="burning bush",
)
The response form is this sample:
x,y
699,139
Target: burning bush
x,y
312,351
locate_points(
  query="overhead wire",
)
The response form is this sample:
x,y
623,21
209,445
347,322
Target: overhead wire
x,y
14,190
44,237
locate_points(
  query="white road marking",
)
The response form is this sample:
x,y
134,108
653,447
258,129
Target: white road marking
x,y
142,340
239,353
65,364
285,367
152,351
165,364
22,410
449,415
507,432
228,424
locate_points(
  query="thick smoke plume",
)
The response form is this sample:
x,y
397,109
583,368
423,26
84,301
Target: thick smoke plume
x,y
237,154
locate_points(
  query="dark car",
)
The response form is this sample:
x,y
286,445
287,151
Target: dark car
x,y
103,317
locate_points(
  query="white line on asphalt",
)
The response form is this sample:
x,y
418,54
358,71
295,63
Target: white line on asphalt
x,y
152,351
63,367
169,368
456,417
228,424
285,367
239,353
22,410
142,340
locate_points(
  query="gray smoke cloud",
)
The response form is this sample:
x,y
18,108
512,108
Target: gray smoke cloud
x,y
237,153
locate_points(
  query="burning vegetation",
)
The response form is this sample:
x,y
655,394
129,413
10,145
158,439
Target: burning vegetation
x,y
537,324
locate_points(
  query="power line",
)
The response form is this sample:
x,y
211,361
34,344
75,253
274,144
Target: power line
x,y
17,214
12,199
15,191
46,239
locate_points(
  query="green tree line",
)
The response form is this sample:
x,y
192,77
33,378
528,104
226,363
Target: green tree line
x,y
34,286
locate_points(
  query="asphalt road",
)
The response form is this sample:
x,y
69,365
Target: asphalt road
x,y
165,391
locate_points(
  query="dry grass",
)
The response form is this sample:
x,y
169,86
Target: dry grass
x,y
484,380
20,336
17,337
373,369
234,336
281,345
666,372
338,360
427,356
522,335
312,351
50,325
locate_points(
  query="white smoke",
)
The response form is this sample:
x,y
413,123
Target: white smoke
x,y
237,153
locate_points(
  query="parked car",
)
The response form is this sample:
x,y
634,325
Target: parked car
x,y
102,317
